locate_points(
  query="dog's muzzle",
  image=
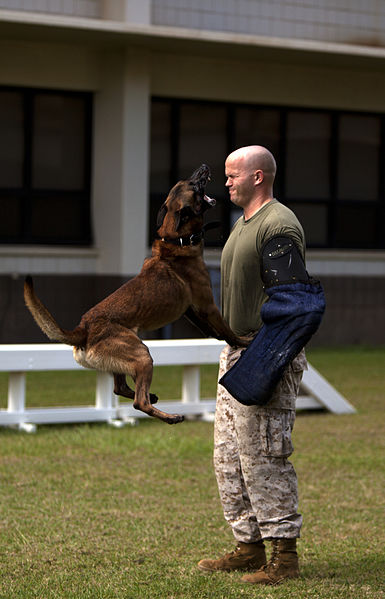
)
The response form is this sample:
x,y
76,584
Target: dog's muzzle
x,y
200,178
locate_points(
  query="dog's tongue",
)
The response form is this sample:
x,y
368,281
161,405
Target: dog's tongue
x,y
209,200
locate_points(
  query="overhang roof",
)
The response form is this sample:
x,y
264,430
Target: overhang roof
x,y
17,25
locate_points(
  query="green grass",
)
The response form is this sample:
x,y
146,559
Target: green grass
x,y
91,512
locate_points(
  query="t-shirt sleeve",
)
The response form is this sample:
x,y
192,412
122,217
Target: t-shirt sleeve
x,y
282,229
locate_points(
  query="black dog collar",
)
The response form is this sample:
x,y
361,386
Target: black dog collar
x,y
193,239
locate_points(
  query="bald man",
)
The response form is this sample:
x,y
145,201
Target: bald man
x,y
257,483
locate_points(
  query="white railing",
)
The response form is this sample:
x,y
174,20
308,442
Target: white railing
x,y
18,360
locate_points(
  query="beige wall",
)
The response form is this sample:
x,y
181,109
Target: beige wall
x,y
43,64
268,82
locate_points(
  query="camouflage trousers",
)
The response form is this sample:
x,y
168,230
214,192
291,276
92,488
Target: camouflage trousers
x,y
257,484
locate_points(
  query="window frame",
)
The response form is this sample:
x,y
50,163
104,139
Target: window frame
x,y
27,193
332,204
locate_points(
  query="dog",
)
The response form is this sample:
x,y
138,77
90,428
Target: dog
x,y
173,282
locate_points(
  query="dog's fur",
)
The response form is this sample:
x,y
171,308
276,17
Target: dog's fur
x,y
173,282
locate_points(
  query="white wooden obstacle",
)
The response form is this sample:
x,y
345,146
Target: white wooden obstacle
x,y
18,360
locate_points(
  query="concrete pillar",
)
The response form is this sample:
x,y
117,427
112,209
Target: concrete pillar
x,y
121,156
135,162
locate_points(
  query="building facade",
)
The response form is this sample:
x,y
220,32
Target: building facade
x,y
104,104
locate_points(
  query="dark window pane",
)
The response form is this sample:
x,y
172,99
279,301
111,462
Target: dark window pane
x,y
160,163
219,234
319,154
10,221
307,155
44,144
313,218
235,214
355,226
257,126
57,218
58,148
202,138
358,157
11,139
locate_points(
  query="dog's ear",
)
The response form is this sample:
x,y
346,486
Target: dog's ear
x,y
182,216
161,214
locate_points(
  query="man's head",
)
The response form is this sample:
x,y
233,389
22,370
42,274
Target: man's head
x,y
250,173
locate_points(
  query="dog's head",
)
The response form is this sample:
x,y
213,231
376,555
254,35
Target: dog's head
x,y
182,212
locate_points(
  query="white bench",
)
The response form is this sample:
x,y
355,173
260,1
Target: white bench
x,y
17,360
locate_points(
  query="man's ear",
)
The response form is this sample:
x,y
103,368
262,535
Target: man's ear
x,y
259,176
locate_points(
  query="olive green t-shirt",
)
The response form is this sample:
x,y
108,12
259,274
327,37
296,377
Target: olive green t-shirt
x,y
242,292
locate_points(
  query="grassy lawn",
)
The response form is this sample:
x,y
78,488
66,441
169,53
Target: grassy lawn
x,y
93,512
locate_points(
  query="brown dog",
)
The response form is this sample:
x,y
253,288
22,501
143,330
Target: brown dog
x,y
172,283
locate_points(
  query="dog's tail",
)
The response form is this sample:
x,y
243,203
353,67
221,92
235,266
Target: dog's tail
x,y
46,321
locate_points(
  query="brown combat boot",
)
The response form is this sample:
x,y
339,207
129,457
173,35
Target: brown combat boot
x,y
282,565
246,556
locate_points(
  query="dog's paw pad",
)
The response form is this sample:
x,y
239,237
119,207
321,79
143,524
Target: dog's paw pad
x,y
153,398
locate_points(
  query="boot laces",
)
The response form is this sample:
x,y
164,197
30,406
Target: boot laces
x,y
272,563
234,552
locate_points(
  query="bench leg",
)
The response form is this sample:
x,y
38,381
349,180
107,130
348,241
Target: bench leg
x,y
191,391
16,400
16,392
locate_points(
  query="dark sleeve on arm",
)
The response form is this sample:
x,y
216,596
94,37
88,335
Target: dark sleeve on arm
x,y
281,262
290,316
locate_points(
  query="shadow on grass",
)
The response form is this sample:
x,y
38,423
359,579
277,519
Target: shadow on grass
x,y
360,572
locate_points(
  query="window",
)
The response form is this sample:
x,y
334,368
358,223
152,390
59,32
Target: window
x,y
183,136
330,164
307,170
358,157
307,155
45,150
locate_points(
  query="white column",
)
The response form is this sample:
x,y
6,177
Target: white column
x,y
121,162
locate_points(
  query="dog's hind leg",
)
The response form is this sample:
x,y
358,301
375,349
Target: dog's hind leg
x,y
123,353
139,366
142,378
121,388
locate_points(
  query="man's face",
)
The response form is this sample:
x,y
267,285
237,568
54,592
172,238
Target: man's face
x,y
240,181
